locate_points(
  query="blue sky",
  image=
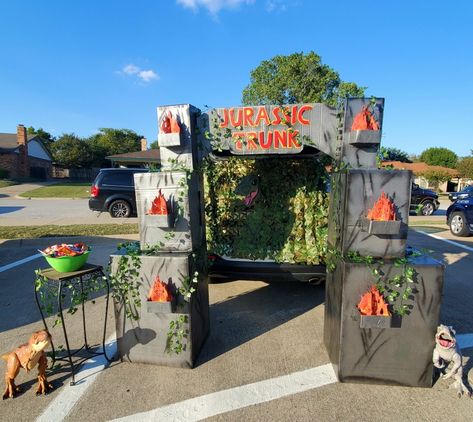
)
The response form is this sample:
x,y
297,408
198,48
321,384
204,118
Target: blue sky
x,y
76,66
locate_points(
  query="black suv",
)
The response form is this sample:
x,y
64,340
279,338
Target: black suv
x,y
423,201
113,191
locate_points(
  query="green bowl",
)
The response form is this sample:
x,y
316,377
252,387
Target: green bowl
x,y
67,264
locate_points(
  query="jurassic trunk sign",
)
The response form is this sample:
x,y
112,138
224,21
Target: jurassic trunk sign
x,y
270,129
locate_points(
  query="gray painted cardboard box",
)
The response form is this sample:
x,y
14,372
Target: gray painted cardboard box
x,y
180,231
182,148
145,340
354,193
399,350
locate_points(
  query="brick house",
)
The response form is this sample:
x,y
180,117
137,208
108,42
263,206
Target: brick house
x,y
24,155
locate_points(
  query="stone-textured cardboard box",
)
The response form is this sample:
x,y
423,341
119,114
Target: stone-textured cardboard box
x,y
145,340
399,352
354,193
182,230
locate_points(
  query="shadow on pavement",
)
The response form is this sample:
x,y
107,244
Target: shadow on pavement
x,y
241,318
6,210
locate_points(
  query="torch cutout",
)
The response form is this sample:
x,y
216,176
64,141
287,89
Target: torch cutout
x,y
159,292
159,205
383,210
372,303
364,120
169,124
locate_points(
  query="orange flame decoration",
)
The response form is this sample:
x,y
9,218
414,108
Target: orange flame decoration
x,y
159,205
364,120
383,210
169,124
159,292
372,303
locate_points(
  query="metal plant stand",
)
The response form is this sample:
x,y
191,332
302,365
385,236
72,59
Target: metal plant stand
x,y
59,280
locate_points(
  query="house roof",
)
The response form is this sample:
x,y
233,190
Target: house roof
x,y
148,156
8,141
418,168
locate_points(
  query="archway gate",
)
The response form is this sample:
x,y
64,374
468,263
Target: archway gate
x,y
395,348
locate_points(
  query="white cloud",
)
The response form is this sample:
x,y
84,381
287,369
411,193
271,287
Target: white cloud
x,y
131,69
146,75
275,6
213,6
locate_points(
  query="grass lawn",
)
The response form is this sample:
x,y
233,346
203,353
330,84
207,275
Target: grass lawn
x,y
60,190
4,183
31,232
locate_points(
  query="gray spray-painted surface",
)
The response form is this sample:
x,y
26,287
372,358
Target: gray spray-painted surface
x,y
398,352
182,230
145,340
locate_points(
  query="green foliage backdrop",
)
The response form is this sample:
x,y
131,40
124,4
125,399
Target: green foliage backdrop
x,y
288,222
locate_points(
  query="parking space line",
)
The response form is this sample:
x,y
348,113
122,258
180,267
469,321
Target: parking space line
x,y
236,398
20,262
61,406
459,245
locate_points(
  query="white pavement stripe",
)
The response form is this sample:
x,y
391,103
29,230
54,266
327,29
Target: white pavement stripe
x,y
20,262
61,406
465,341
224,401
459,245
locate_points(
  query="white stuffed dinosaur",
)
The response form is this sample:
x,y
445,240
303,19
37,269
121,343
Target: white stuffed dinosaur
x,y
446,351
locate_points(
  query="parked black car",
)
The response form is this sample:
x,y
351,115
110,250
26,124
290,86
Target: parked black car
x,y
423,201
460,217
466,192
113,191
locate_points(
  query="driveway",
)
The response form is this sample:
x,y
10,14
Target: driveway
x,y
263,361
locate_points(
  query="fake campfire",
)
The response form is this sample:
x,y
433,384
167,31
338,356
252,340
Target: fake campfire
x,y
381,219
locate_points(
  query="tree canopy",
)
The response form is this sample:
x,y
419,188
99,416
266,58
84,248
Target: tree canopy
x,y
297,78
465,167
394,154
71,151
437,156
40,133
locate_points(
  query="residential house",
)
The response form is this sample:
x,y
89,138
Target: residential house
x,y
143,158
23,155
454,184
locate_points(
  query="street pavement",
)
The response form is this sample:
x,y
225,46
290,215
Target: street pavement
x,y
18,211
259,333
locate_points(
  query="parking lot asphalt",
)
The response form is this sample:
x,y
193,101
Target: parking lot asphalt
x,y
263,337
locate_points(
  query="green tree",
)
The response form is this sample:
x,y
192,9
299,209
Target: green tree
x,y
435,177
436,156
113,141
40,133
154,145
297,78
465,167
394,154
71,151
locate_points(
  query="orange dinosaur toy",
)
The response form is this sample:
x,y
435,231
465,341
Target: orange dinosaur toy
x,y
27,356
372,303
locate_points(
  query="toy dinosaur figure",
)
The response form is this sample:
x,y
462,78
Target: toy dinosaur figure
x,y
446,351
249,188
27,356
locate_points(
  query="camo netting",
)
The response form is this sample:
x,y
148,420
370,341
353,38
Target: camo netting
x,y
286,223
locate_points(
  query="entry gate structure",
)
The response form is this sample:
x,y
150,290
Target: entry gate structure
x,y
393,350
